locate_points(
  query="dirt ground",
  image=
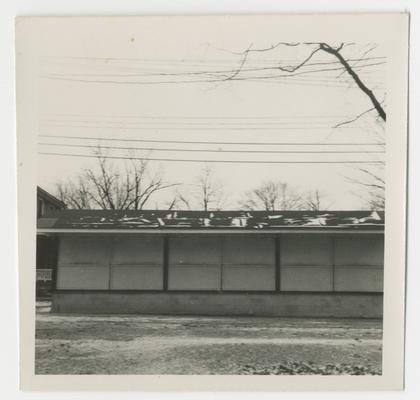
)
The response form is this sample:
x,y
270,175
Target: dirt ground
x,y
138,344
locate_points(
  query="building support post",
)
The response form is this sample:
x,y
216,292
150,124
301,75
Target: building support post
x,y
277,262
165,263
53,244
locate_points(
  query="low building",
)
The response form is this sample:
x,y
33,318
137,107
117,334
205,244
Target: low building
x,y
46,246
288,263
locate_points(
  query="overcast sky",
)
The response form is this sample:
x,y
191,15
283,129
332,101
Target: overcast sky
x,y
151,83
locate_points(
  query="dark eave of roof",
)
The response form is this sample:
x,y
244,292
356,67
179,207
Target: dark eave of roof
x,y
208,220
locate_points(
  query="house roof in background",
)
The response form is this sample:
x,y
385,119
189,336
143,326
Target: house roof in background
x,y
49,197
208,220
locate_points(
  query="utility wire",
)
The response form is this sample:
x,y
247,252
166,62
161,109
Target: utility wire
x,y
213,80
284,124
204,128
198,61
209,72
214,150
213,161
159,117
214,142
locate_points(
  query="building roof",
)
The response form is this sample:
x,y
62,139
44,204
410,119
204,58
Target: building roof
x,y
49,197
207,220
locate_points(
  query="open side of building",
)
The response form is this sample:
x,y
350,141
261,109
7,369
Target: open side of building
x,y
218,263
45,246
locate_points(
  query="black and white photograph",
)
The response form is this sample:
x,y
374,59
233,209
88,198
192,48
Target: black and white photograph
x,y
211,193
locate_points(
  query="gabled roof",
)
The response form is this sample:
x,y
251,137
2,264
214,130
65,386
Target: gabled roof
x,y
208,220
49,197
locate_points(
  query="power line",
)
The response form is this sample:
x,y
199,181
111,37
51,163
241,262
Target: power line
x,y
200,117
349,85
183,60
210,67
204,128
215,142
203,68
212,161
209,72
215,150
309,81
285,124
215,80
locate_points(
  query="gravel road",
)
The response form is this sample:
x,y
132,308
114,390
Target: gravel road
x,y
134,344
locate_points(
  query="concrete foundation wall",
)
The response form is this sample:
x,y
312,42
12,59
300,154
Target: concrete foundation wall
x,y
350,305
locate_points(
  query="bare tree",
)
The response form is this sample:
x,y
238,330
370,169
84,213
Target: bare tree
x,y
179,201
373,184
205,193
271,196
74,195
314,200
107,187
209,190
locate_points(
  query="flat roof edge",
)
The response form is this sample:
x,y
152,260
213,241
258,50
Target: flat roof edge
x,y
363,230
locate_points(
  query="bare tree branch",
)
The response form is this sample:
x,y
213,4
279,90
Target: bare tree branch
x,y
355,118
296,67
313,201
361,58
272,196
336,53
236,73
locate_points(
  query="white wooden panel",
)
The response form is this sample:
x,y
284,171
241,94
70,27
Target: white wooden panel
x,y
249,249
194,250
358,279
82,277
138,249
194,277
305,250
366,250
313,278
75,250
140,277
245,277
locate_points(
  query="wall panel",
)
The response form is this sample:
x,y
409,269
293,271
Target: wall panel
x,y
365,250
83,262
194,263
194,250
194,277
137,262
136,277
248,262
250,249
138,249
306,263
359,279
305,250
359,263
308,278
82,277
246,277
84,250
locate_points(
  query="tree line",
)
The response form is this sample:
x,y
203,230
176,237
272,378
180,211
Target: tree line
x,y
134,185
